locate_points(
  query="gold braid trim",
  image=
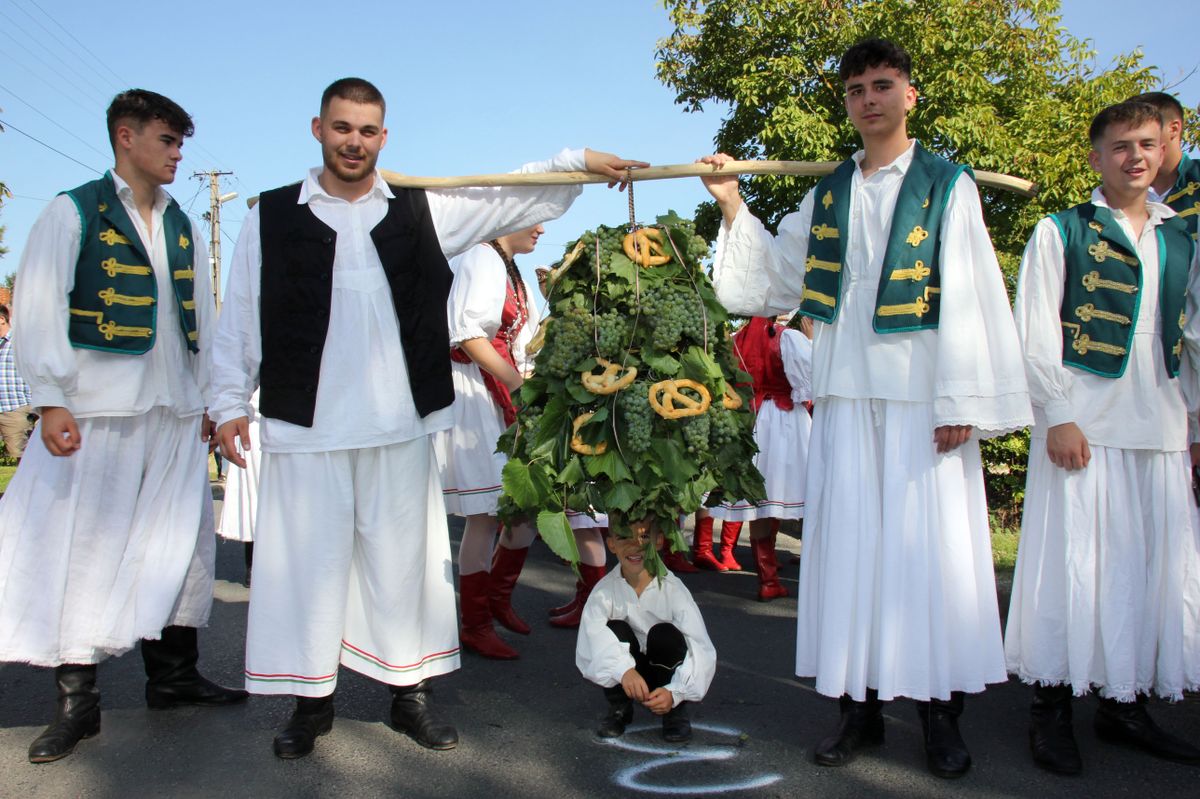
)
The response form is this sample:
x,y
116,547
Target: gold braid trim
x,y
1187,191
110,297
824,231
1101,251
113,268
1195,209
111,330
112,238
919,271
185,274
1088,312
814,262
918,308
1092,281
824,299
1084,344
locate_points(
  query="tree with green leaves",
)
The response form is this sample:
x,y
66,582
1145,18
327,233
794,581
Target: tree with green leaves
x,y
1003,87
4,193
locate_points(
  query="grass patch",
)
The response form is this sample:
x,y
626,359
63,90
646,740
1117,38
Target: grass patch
x,y
1004,548
6,473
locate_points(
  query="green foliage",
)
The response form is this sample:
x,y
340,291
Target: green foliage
x,y
1005,462
665,322
4,192
1003,87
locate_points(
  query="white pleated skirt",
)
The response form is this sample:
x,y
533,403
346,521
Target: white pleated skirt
x,y
783,442
106,547
1107,587
897,591
241,494
470,467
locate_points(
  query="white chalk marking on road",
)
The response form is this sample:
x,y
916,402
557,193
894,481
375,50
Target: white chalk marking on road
x,y
633,777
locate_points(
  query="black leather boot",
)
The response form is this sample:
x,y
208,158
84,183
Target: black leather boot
x,y
312,717
171,676
861,725
412,714
1128,723
1051,738
676,727
248,555
945,751
620,713
78,714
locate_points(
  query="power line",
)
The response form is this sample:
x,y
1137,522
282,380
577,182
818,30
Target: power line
x,y
48,147
68,131
82,76
46,63
90,111
120,80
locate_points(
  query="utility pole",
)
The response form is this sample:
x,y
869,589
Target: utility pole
x,y
214,220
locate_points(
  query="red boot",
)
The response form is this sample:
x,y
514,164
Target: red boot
x,y
730,532
675,561
506,568
477,633
570,606
702,551
591,575
769,586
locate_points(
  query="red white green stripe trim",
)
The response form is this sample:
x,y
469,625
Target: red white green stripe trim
x,y
300,678
769,503
469,492
380,663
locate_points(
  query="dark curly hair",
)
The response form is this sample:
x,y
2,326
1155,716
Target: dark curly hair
x,y
139,106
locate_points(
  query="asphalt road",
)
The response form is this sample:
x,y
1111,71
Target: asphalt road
x,y
527,726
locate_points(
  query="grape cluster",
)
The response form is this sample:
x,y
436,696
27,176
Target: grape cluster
x,y
668,307
723,427
612,334
568,341
634,405
695,434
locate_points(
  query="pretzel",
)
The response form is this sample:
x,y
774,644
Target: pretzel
x,y
664,395
577,443
607,382
539,339
649,245
731,400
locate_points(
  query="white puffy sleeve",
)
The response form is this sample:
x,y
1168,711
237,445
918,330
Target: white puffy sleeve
x,y
206,316
757,274
1189,365
237,347
465,217
599,655
979,377
476,295
1039,323
693,677
41,347
796,350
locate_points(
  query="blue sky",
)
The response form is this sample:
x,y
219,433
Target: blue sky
x,y
472,86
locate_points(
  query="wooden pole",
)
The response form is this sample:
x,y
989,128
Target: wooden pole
x,y
993,180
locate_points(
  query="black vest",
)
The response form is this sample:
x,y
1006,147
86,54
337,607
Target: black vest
x,y
297,289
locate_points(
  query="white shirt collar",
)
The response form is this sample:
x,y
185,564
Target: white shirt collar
x,y
1158,212
901,162
312,188
125,192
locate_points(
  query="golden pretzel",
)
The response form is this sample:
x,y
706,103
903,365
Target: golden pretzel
x,y
664,394
731,400
607,382
577,443
649,243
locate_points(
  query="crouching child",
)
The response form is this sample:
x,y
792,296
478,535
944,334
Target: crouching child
x,y
643,639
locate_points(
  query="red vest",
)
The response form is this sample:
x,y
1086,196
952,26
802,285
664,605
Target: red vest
x,y
512,318
757,347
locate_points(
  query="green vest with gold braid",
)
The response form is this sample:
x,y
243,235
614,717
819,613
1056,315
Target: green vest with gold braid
x,y
113,304
1184,196
910,284
1103,285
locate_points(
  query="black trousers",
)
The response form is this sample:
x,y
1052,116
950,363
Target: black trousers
x,y
665,650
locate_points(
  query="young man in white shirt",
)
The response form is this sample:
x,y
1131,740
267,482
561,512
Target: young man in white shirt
x,y
106,532
336,310
914,359
1106,590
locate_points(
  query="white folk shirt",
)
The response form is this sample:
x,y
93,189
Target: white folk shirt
x,y
604,660
92,383
477,296
796,352
1142,409
969,367
363,397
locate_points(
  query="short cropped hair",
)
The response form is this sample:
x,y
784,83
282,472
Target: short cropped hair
x,y
872,53
140,106
1130,113
1167,104
4,313
356,90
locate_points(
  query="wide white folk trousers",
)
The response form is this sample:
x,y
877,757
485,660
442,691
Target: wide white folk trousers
x,y
106,547
351,566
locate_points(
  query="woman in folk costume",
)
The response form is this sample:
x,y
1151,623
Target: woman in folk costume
x,y
589,539
240,504
488,308
779,361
